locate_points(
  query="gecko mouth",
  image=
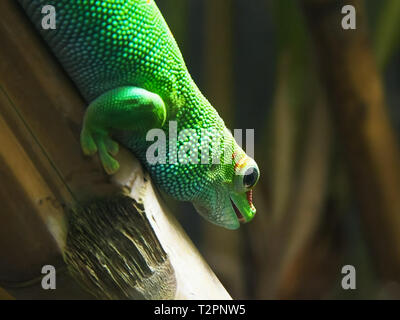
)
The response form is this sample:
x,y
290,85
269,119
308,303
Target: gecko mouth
x,y
239,215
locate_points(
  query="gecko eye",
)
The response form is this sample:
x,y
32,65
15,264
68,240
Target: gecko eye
x,y
246,177
250,177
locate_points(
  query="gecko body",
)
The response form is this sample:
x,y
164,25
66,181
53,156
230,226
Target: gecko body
x,y
124,59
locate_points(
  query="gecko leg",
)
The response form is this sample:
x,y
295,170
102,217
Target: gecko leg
x,y
124,108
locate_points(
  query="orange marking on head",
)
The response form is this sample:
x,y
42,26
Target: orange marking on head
x,y
241,163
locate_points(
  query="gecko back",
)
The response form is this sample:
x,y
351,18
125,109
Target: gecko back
x,y
108,44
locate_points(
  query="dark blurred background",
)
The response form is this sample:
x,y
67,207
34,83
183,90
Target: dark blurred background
x,y
328,192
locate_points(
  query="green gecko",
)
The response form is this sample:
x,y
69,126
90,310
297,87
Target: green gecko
x,y
124,60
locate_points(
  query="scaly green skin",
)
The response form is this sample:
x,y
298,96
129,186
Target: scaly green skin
x,y
126,63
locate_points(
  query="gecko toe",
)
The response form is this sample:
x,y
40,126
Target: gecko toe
x,y
104,144
88,145
111,146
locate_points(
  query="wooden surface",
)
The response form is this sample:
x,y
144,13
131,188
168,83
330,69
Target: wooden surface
x,y
46,183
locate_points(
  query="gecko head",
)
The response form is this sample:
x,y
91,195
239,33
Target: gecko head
x,y
228,200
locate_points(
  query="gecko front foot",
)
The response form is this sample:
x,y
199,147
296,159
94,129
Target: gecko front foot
x,y
124,108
